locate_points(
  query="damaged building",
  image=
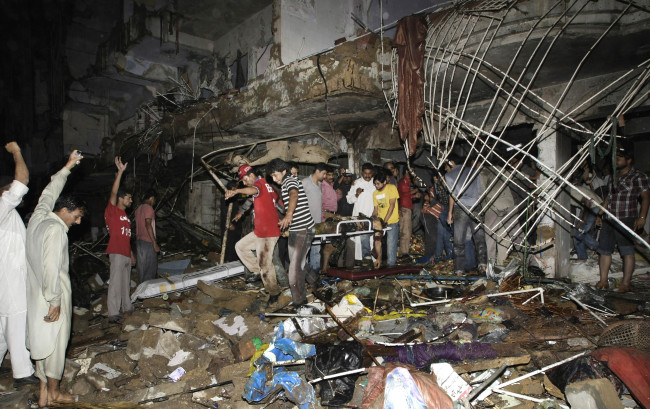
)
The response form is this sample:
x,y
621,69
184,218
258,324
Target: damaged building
x,y
534,93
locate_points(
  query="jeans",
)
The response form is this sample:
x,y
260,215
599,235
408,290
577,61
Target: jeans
x,y
470,254
314,257
365,245
431,233
392,239
462,224
443,240
299,245
582,239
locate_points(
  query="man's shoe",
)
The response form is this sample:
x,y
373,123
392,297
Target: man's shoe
x,y
115,319
28,380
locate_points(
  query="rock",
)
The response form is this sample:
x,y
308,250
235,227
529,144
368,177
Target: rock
x,y
552,389
150,340
164,321
243,350
97,380
593,394
168,345
237,328
118,360
204,327
164,389
156,302
153,369
17,400
579,342
180,357
70,370
135,321
236,300
191,342
81,387
79,324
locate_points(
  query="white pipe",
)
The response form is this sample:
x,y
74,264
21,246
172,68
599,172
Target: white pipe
x,y
574,299
546,368
520,396
539,289
336,375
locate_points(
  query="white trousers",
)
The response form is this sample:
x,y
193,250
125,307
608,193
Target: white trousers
x,y
12,338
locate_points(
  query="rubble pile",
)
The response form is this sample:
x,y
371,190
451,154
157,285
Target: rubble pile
x,y
441,341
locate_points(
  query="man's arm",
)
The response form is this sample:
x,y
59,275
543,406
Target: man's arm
x,y
149,225
288,216
643,213
21,173
391,207
450,215
51,285
54,188
352,194
118,177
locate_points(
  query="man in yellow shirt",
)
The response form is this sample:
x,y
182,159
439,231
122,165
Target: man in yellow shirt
x,y
385,202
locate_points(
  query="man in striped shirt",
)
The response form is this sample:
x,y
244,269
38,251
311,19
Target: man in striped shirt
x,y
301,229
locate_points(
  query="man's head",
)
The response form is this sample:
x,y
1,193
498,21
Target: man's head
x,y
329,175
624,156
392,169
381,179
453,160
319,172
247,175
367,171
69,209
293,169
278,169
124,198
149,197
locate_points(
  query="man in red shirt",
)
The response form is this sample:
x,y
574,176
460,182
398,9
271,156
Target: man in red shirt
x,y
119,248
406,195
265,234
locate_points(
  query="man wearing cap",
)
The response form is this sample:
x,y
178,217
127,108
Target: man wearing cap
x,y
622,202
265,234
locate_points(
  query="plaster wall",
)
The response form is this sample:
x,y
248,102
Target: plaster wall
x,y
310,26
84,131
251,37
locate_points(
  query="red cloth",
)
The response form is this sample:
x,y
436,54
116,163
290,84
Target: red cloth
x,y
142,213
404,189
410,39
119,230
266,217
632,367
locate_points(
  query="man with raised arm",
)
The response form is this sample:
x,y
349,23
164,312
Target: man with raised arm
x,y
49,294
119,247
13,274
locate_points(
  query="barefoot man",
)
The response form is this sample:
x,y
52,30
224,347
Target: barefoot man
x,y
49,296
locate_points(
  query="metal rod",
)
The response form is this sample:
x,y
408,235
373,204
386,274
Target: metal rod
x,y
574,299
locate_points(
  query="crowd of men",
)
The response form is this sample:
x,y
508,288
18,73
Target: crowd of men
x,y
36,307
477,214
35,289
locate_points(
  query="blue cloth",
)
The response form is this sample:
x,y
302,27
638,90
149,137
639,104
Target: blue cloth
x,y
462,224
582,239
392,239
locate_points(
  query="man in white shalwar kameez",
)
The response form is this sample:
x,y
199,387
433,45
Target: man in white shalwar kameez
x,y
49,295
13,274
360,195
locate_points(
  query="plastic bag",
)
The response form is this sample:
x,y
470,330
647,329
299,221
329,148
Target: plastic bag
x,y
295,388
401,392
332,359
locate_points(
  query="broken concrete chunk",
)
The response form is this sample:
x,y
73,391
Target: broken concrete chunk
x,y
593,394
180,357
81,387
165,321
105,371
243,350
168,345
96,380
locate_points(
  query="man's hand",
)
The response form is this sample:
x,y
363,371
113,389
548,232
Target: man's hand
x,y
286,222
230,193
450,219
12,148
156,247
73,160
53,314
237,217
359,191
133,259
118,163
639,223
